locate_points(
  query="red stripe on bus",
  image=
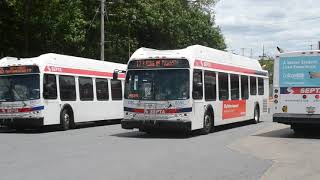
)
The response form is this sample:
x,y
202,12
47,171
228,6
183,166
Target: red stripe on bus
x,y
80,71
223,67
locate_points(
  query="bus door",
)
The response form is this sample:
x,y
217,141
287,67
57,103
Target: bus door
x,y
51,102
197,95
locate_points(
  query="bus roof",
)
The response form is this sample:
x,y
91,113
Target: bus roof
x,y
197,53
73,65
300,53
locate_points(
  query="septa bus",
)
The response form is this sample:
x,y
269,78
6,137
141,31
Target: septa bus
x,y
297,89
196,88
55,89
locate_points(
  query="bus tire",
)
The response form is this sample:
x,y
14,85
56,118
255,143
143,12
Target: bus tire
x,y
298,129
207,123
65,119
256,115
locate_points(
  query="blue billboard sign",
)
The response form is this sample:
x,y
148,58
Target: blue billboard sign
x,y
299,71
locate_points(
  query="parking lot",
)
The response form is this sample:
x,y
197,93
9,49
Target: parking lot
x,y
243,151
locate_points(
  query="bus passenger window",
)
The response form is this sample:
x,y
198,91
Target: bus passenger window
x,y
260,86
102,89
197,92
244,87
253,86
234,86
85,89
116,89
67,88
223,86
210,86
49,86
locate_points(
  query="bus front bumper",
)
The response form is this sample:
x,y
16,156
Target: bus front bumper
x,y
156,124
296,118
21,122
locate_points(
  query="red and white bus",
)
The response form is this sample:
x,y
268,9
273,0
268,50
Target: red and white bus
x,y
55,89
192,88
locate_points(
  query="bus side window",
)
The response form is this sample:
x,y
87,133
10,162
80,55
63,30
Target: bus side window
x,y
210,86
67,88
253,86
244,87
260,86
116,89
223,86
85,89
234,86
49,86
102,89
197,92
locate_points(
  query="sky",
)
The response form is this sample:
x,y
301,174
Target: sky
x,y
289,24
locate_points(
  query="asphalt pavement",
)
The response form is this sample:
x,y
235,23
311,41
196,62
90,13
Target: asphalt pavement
x,y
109,152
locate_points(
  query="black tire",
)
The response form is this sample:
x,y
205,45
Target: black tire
x,y
19,128
256,115
298,129
65,119
207,124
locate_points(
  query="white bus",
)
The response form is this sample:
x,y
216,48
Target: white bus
x,y
297,89
55,89
192,88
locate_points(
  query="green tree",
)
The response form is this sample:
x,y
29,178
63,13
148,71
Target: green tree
x,y
267,64
33,27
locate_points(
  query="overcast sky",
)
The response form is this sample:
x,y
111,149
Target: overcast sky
x,y
290,24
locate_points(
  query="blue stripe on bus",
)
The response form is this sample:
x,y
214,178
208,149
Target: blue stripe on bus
x,y
37,108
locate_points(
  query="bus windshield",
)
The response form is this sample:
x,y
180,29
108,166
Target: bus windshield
x,y
159,85
19,87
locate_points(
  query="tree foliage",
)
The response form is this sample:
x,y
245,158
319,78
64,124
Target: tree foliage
x,y
33,27
267,64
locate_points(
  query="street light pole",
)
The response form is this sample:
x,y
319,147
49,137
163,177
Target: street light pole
x,y
102,29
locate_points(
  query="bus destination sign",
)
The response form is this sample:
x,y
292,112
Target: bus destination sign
x,y
18,70
158,63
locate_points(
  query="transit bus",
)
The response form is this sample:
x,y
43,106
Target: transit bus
x,y
297,89
196,88
62,90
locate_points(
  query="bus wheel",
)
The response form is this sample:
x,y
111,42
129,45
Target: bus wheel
x,y
256,116
65,119
298,129
207,124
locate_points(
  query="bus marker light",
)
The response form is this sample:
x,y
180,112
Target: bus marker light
x,y
276,91
317,96
304,96
275,96
275,101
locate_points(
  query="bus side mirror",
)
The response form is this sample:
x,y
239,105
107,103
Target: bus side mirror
x,y
115,75
195,94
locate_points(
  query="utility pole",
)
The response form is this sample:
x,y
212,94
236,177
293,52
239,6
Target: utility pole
x,y
242,51
311,46
102,29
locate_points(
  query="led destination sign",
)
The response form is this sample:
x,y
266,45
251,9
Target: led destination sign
x,y
159,63
18,70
